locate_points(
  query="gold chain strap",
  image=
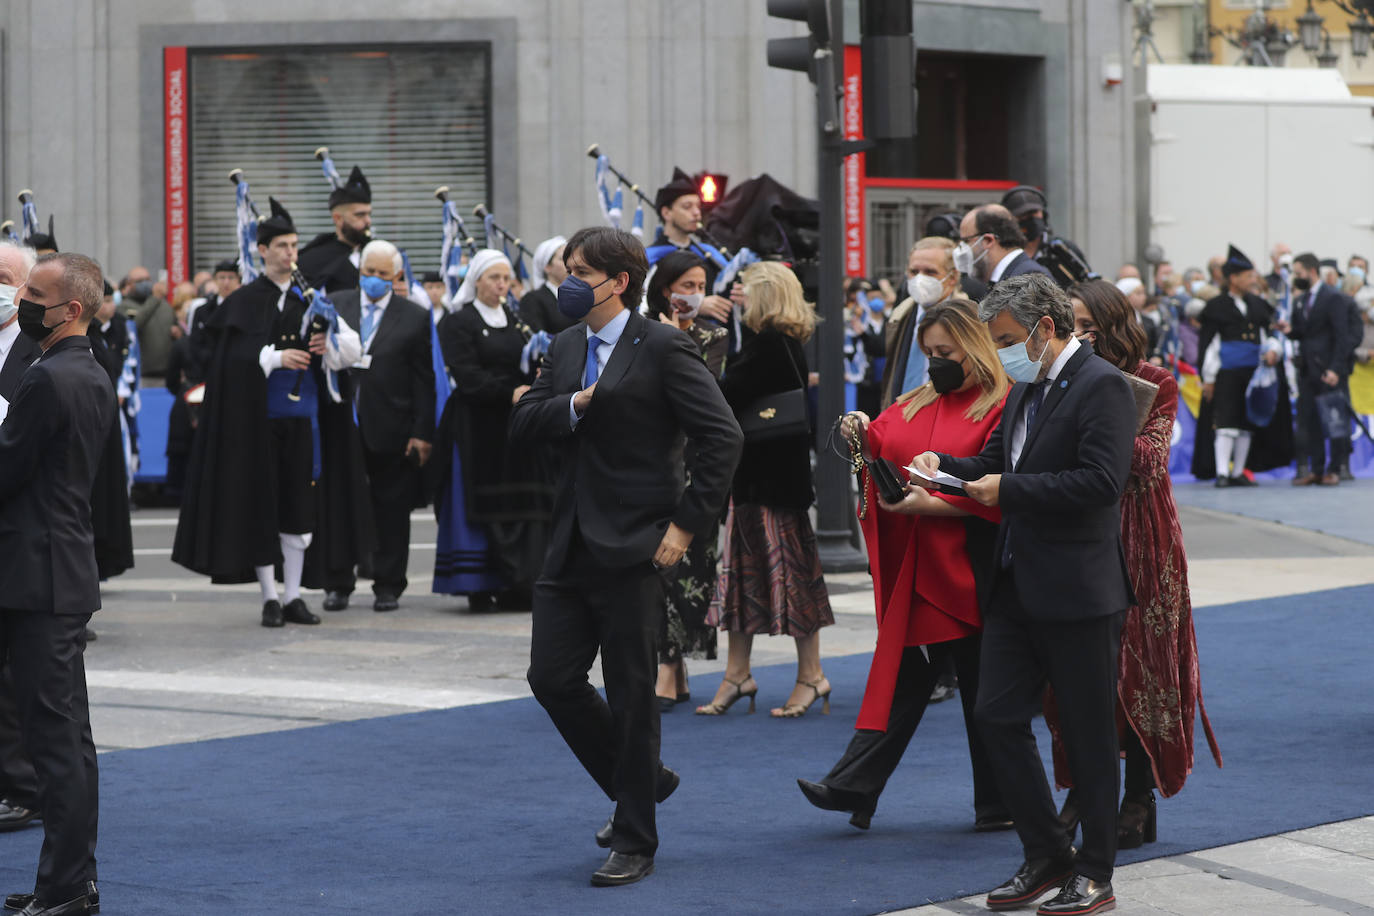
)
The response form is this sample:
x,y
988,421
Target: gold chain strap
x,y
856,458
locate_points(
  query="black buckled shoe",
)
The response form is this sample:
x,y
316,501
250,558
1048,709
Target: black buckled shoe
x,y
14,816
623,868
1078,897
296,612
272,614
859,806
335,601
1031,881
20,901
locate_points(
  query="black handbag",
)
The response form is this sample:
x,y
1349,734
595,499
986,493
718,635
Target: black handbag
x,y
887,479
774,416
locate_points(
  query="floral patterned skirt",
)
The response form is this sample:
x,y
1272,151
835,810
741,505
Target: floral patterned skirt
x,y
688,589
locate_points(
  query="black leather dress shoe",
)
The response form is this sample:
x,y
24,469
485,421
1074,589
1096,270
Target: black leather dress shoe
x,y
19,901
335,601
14,816
667,784
272,614
296,612
990,823
1031,881
78,906
606,834
623,868
827,799
1078,897
385,602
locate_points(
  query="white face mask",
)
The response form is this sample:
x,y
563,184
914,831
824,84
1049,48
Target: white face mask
x,y
8,307
685,307
1196,286
925,290
964,259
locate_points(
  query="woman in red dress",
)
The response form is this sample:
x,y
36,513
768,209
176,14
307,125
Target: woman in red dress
x,y
928,554
1159,689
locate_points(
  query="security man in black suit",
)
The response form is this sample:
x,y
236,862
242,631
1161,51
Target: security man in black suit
x,y
616,396
50,447
1056,465
18,783
392,389
1327,337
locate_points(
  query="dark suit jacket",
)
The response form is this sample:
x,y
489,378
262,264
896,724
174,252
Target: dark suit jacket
x,y
1061,504
395,396
1023,264
50,447
1325,332
621,471
539,310
21,356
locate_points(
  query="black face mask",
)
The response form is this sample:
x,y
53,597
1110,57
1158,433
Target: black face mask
x,y
141,291
31,319
1033,227
1302,284
945,374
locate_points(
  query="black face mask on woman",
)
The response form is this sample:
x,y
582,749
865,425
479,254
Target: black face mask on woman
x,y
946,374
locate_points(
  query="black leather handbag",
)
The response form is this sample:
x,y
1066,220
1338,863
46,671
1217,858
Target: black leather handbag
x,y
774,416
887,479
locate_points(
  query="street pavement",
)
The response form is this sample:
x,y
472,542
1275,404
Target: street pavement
x,y
179,659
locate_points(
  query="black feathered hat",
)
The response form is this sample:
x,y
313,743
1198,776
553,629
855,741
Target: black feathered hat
x,y
227,266
42,241
681,185
431,276
279,223
355,191
1236,262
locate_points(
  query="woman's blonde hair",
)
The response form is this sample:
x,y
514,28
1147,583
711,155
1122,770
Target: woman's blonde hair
x,y
775,301
959,318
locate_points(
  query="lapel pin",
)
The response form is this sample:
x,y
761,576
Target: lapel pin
x,y
1064,384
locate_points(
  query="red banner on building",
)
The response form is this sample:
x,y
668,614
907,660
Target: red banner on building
x,y
176,190
855,240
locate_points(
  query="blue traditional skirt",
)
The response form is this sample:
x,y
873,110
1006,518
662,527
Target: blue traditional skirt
x,y
462,561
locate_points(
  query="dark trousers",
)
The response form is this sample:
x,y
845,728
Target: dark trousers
x,y
44,653
1078,658
872,756
584,609
393,483
1310,436
18,782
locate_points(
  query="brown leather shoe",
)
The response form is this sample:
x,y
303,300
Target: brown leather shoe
x,y
1330,480
1305,480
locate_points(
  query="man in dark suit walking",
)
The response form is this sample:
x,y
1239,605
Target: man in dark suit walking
x,y
616,396
1327,338
995,246
50,447
392,387
1056,465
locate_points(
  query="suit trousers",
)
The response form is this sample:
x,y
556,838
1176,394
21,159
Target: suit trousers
x,y
1310,434
44,653
577,612
18,781
1078,658
872,756
393,483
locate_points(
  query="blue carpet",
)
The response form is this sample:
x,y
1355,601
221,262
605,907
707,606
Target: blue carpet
x,y
1344,511
483,810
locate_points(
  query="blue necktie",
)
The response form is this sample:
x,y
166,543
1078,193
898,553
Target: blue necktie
x,y
591,372
369,317
915,367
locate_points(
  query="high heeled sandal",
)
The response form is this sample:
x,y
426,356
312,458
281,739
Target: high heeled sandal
x,y
719,709
797,710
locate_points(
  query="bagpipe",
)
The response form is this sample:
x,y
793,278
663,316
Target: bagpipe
x,y
246,218
612,202
332,176
457,239
320,318
28,216
7,231
508,239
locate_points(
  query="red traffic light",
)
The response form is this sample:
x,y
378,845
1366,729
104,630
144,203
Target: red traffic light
x,y
711,188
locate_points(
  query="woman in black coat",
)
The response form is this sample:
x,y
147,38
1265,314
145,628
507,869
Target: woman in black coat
x,y
770,571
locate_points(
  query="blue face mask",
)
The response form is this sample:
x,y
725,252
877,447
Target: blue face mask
x,y
1017,362
374,287
577,297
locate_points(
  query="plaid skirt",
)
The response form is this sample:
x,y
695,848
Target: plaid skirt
x,y
770,577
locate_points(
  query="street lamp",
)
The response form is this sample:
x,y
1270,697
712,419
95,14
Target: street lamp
x,y
1310,30
1328,58
1359,35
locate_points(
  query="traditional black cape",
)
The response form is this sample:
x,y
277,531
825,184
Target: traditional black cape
x,y
114,536
325,263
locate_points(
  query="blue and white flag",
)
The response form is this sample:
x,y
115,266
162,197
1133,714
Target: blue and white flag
x,y
637,226
451,265
534,350
415,291
742,259
331,174
246,229
610,204
29,215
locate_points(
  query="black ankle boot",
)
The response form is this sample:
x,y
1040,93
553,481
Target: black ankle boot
x,y
1135,826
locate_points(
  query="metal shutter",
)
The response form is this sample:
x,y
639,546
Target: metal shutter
x,y
411,118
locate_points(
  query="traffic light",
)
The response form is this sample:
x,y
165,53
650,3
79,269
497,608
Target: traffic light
x,y
799,53
710,188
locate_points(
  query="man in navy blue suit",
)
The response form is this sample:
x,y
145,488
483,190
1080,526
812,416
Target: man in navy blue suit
x,y
996,244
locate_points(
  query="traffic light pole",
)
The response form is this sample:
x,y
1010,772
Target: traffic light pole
x,y
835,524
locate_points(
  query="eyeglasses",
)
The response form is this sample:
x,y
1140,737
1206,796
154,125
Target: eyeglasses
x,y
969,239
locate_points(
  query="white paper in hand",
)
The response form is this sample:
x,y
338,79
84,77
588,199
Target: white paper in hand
x,y
948,480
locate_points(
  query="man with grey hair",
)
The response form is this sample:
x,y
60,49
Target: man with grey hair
x,y
50,448
392,391
1056,466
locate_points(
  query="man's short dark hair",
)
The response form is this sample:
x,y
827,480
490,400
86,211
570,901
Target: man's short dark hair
x,y
82,280
1003,228
613,252
1309,260
1029,297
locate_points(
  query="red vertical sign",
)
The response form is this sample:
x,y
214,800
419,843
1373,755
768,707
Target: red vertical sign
x,y
175,169
855,242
